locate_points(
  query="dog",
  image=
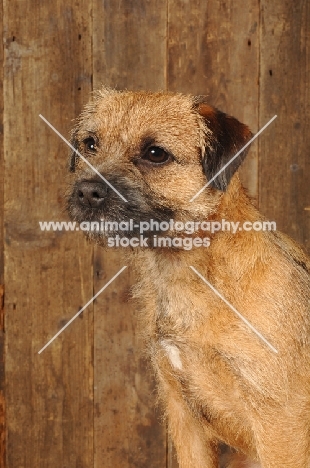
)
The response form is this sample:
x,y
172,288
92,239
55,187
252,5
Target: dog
x,y
219,382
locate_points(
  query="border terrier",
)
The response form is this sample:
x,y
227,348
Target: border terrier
x,y
219,384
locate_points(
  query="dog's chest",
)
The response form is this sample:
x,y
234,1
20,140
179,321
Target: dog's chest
x,y
207,388
179,317
173,354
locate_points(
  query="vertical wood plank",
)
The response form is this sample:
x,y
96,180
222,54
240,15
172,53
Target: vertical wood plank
x,y
129,52
213,50
285,90
2,330
1,151
2,383
130,44
48,275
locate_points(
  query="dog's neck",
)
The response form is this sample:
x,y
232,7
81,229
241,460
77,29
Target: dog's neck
x,y
235,204
158,269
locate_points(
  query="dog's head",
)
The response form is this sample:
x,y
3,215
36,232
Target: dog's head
x,y
154,150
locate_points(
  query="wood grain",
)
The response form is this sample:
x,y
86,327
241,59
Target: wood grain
x,y
213,50
2,383
285,90
1,154
130,44
48,276
2,330
129,52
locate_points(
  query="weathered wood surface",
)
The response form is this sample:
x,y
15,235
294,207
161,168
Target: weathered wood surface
x,y
48,276
88,400
130,44
2,336
284,192
213,49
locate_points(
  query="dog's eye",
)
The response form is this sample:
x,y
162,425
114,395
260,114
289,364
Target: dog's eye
x,y
90,144
156,155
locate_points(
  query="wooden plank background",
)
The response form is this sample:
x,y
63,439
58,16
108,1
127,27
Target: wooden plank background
x,y
285,90
88,399
48,276
2,351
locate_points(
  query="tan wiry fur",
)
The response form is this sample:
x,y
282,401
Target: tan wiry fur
x,y
218,382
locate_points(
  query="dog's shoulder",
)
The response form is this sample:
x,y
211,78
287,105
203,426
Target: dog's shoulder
x,y
293,254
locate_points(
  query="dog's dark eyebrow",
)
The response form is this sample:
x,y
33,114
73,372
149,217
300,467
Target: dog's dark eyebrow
x,y
146,142
91,132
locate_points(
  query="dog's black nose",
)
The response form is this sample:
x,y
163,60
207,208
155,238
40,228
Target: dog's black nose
x,y
91,194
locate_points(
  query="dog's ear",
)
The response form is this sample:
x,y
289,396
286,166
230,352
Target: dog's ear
x,y
227,136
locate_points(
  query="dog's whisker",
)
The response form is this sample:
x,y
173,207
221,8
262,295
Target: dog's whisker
x,y
241,317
